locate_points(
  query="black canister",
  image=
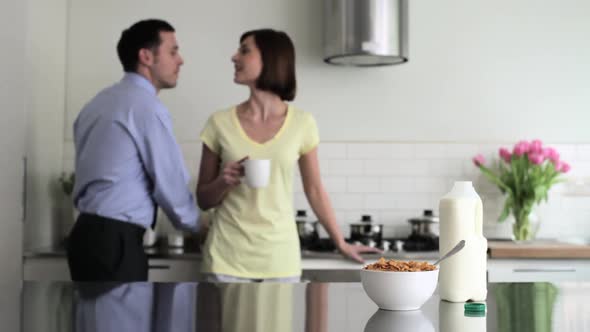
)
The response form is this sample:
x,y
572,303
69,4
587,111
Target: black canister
x,y
306,229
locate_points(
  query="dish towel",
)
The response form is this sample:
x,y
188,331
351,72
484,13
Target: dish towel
x,y
524,307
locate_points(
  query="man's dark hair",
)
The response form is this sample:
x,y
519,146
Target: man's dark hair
x,y
278,62
143,34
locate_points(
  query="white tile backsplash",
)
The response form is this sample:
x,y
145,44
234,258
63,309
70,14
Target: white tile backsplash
x,y
430,151
459,151
399,180
347,201
381,201
446,167
403,151
396,181
301,203
567,152
334,184
398,185
580,169
363,184
433,185
576,203
583,152
341,167
369,151
406,167
380,167
399,216
332,151
469,169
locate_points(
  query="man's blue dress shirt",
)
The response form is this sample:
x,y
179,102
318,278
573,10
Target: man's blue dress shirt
x,y
127,159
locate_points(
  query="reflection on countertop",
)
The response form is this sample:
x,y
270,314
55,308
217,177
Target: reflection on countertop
x,y
305,307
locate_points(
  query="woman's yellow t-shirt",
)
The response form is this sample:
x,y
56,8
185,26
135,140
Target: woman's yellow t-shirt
x,y
253,233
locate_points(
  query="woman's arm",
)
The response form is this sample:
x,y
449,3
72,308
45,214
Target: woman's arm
x,y
213,183
321,206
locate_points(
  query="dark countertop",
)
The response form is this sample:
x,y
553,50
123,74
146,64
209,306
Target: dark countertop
x,y
189,252
309,307
195,254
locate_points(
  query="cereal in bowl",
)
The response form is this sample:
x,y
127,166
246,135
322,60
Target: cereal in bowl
x,y
393,265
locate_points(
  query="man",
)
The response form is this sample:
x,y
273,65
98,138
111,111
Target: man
x,y
128,162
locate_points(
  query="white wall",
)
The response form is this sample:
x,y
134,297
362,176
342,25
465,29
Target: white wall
x,y
46,56
12,145
479,73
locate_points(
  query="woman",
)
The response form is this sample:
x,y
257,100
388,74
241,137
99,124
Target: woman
x,y
253,235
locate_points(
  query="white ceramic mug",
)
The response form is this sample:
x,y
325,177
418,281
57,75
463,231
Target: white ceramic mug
x,y
257,172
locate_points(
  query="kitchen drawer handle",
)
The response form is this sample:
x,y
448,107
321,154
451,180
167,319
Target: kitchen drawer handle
x,y
545,270
159,267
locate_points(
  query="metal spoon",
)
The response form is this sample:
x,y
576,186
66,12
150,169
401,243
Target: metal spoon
x,y
453,251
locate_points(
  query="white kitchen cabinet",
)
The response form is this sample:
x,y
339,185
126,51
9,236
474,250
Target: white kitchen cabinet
x,y
160,270
534,270
46,269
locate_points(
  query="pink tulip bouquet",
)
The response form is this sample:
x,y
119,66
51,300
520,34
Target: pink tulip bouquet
x,y
525,175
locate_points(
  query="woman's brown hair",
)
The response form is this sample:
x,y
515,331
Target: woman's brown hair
x,y
278,62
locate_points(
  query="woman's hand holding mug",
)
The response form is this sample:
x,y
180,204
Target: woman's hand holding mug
x,y
232,173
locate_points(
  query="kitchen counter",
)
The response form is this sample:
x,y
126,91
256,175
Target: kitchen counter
x,y
183,265
538,249
310,307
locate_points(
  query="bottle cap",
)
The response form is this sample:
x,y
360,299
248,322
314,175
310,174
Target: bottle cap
x,y
475,313
474,309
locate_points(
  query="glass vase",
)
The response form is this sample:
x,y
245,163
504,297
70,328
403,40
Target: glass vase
x,y
525,229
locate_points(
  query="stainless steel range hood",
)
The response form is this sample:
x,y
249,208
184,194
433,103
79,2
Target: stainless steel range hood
x,y
365,32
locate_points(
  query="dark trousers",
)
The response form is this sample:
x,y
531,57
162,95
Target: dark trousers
x,y
104,249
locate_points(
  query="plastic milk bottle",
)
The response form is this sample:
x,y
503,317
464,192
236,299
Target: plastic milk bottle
x,y
462,277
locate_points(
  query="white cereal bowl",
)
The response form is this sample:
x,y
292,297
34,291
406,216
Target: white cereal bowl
x,y
399,290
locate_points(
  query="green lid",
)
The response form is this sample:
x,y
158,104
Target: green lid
x,y
475,314
474,307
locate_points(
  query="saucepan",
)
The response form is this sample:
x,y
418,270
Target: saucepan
x,y
308,232
366,232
